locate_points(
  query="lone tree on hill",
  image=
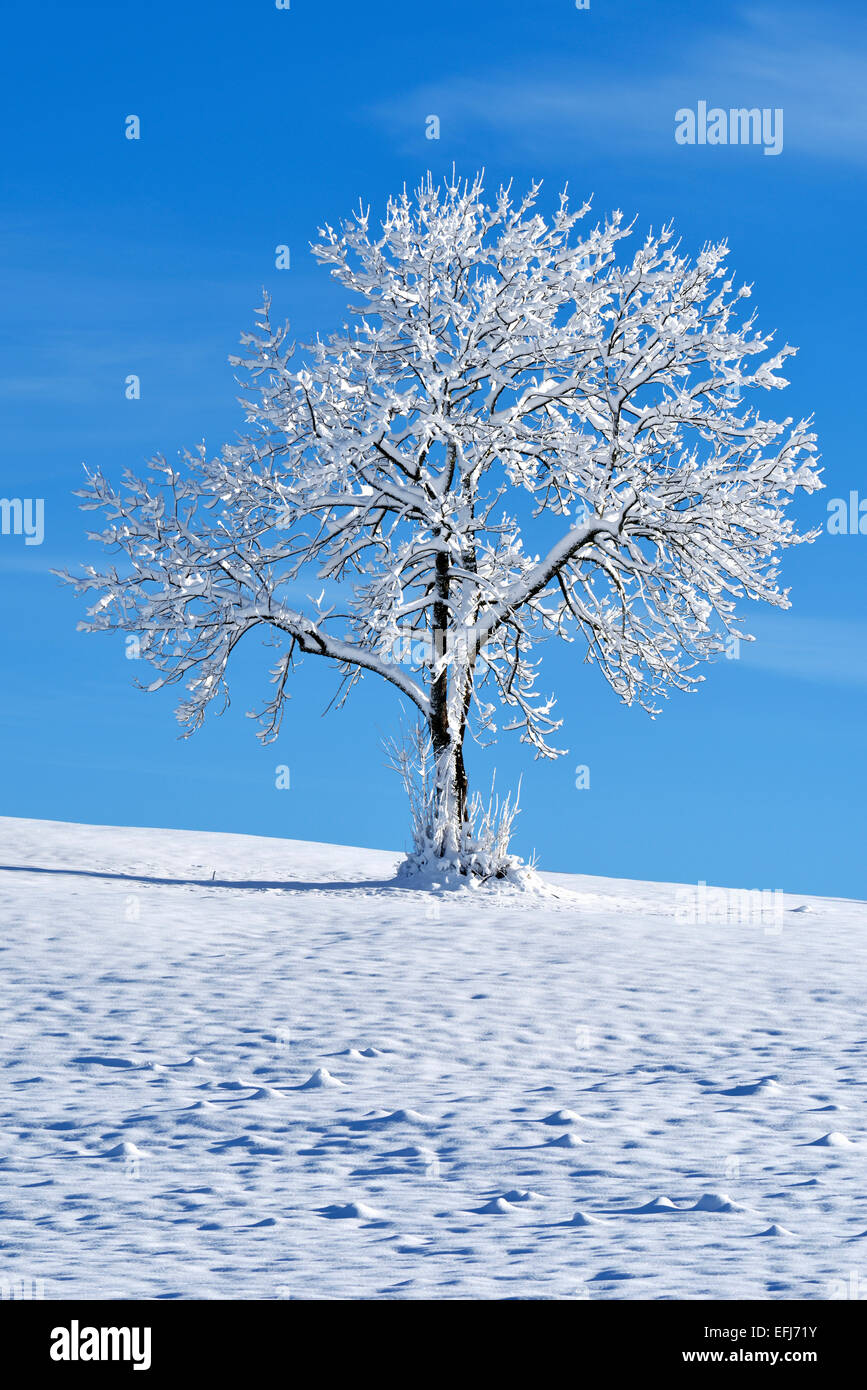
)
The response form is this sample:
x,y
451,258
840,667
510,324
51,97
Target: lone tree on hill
x,y
522,435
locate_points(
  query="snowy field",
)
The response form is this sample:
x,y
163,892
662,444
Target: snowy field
x,y
249,1068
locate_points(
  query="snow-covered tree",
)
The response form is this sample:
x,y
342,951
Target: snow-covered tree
x,y
523,434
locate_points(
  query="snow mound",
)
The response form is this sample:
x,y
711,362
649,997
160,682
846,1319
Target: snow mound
x,y
768,1086
434,874
716,1201
394,1117
352,1211
124,1150
833,1140
320,1078
415,1151
583,1218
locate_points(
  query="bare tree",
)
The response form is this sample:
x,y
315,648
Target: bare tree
x,y
521,435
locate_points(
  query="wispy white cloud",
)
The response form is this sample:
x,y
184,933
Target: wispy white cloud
x,y
811,63
830,650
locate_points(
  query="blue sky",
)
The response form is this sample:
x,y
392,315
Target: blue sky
x,y
148,257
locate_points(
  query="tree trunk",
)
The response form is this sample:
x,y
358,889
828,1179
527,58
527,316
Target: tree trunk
x,y
445,826
451,795
447,735
461,787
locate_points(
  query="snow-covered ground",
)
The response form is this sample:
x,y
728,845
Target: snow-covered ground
x,y
248,1068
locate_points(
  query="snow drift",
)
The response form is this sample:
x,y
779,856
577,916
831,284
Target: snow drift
x,y
250,1068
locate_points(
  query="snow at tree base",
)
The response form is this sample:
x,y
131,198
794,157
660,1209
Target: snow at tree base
x,y
250,1068
528,434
